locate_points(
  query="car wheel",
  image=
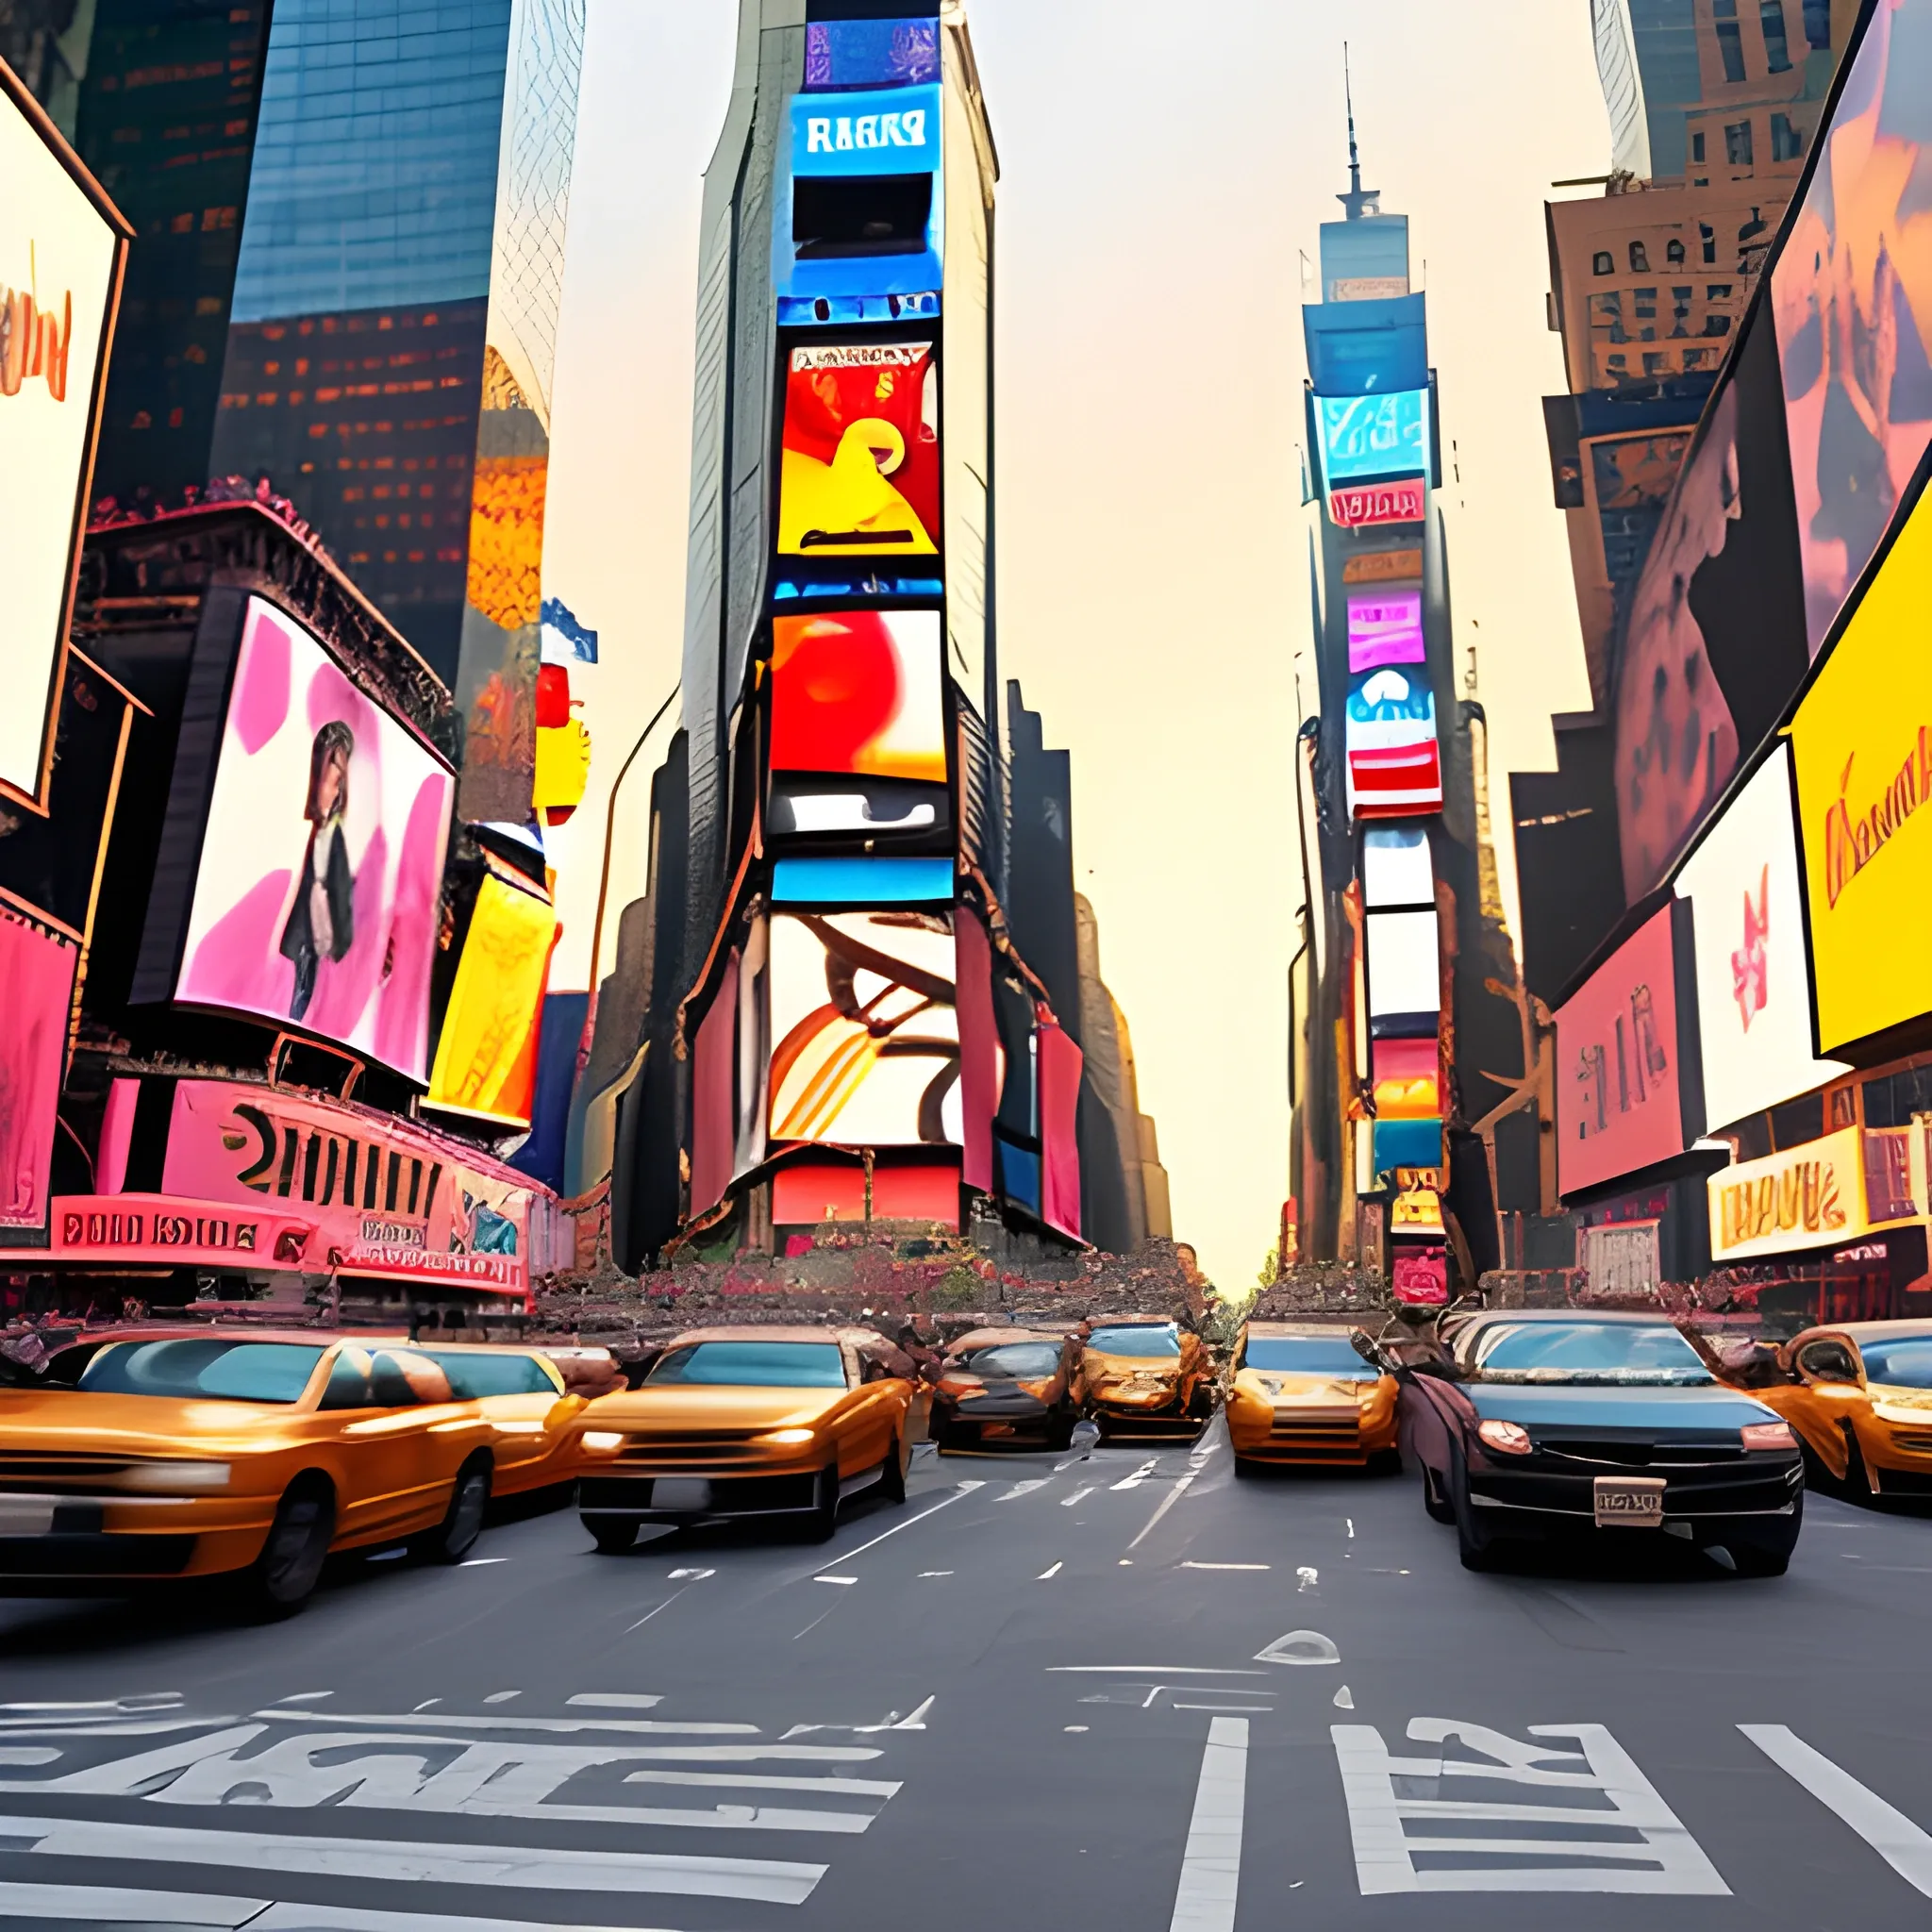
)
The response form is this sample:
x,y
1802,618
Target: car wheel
x,y
1472,1545
892,1472
612,1535
290,1566
823,1519
455,1536
1434,1506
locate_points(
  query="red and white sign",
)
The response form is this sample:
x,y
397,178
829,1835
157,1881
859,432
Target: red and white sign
x,y
1356,507
1395,781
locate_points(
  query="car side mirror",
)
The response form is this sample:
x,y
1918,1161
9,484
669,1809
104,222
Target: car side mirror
x,y
562,1409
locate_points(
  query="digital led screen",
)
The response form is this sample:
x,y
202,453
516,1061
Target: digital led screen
x,y
892,131
1359,506
61,253
1754,989
1060,1062
1617,1104
865,1028
1406,1082
1382,567
1401,781
1405,969
1406,1143
861,881
37,970
1808,1196
1396,867
1851,293
1393,762
316,898
1419,1275
1369,348
871,53
486,1054
1861,745
859,469
1385,628
1374,436
858,692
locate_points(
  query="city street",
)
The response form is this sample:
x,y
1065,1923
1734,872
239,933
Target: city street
x,y
1049,1691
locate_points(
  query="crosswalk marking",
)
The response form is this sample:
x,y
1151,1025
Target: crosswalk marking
x,y
1212,1865
1139,1476
203,1911
1889,1833
1629,1840
1026,1488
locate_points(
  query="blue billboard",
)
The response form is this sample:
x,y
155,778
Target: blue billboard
x,y
887,131
1369,348
1374,436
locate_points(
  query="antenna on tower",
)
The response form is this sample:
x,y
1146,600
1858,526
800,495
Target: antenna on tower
x,y
1359,201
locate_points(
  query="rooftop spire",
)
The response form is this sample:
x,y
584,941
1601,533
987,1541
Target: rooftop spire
x,y
1359,201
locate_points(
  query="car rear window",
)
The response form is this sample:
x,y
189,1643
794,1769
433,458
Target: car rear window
x,y
1905,1363
1306,1354
474,1376
1142,1341
212,1370
753,1365
1028,1359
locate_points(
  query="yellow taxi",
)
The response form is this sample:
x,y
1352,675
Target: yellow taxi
x,y
1300,1392
764,1422
1145,1374
251,1455
1005,1386
1858,1396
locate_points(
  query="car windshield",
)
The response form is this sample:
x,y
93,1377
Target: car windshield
x,y
1027,1358
1137,1340
753,1365
1905,1363
211,1370
1587,1352
473,1377
1306,1354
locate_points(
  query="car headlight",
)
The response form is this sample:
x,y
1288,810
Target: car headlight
x,y
789,1435
1510,1438
602,1439
1768,1435
172,1478
1915,1418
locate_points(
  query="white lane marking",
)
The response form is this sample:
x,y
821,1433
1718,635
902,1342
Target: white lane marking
x,y
393,1860
305,1697
1073,1727
1068,1502
1045,1574
835,1579
426,1704
110,1706
915,1720
1167,1503
480,1563
1300,1647
806,1632
834,1787
446,1720
124,1904
1190,1565
935,1572
1350,1520
1212,1865
613,1700
1343,1699
1636,1840
959,1489
690,1575
1305,1578
1154,1670
287,1918
1889,1833
28,1753
501,1696
650,1613
1139,1476
1265,1709
1026,1488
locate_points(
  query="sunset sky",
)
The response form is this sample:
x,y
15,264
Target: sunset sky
x,y
1162,173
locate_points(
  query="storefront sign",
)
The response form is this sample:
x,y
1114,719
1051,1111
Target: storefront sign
x,y
1811,1196
1862,744
1619,1107
1377,503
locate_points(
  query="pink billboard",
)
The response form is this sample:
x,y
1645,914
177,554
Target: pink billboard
x,y
316,896
1385,628
37,971
1618,1105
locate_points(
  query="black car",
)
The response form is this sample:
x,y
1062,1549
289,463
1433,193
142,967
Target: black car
x,y
1006,1387
1534,1423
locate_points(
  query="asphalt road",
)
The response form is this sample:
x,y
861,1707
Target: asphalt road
x,y
1127,1692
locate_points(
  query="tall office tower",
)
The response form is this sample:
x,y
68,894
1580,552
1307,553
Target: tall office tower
x,y
1407,1032
843,1019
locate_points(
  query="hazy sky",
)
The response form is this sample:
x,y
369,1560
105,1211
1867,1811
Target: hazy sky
x,y
1162,171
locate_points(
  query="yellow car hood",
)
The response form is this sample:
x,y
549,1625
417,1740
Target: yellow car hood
x,y
1896,1396
1307,1390
74,1420
683,1405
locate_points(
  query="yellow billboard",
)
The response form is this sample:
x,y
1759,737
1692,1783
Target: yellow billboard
x,y
1811,1196
1861,745
486,1059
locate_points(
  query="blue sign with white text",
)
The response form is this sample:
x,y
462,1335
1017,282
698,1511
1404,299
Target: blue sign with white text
x,y
1374,436
888,132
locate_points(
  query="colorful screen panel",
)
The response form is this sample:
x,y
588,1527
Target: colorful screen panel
x,y
1396,867
1406,1082
485,1055
1374,436
1385,629
317,896
871,53
858,692
37,970
1394,765
859,469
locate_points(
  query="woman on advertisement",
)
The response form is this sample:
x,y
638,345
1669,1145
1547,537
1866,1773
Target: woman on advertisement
x,y
322,921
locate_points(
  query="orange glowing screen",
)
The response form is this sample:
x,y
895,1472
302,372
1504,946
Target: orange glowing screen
x,y
858,692
1407,1087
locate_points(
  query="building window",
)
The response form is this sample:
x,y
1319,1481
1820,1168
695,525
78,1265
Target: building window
x,y
1693,359
1673,252
1646,302
1777,54
1717,325
1738,143
1640,261
1657,362
1787,142
1818,22
1730,39
1709,236
1717,292
1697,146
1603,263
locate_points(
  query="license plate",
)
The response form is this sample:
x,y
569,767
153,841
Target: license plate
x,y
26,1515
1629,1502
680,1493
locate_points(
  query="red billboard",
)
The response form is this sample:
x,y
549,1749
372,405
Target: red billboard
x,y
1356,507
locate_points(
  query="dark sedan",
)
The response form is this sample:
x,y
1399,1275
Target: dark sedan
x,y
1009,1387
1531,1424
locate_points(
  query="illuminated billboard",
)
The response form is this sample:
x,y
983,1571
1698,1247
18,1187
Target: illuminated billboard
x,y
858,692
1405,974
61,249
865,1028
1754,990
1808,1196
1396,868
1619,1105
1851,293
1861,745
871,53
1385,628
486,1054
1407,1083
1374,436
860,466
1395,764
1359,506
318,881
36,969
